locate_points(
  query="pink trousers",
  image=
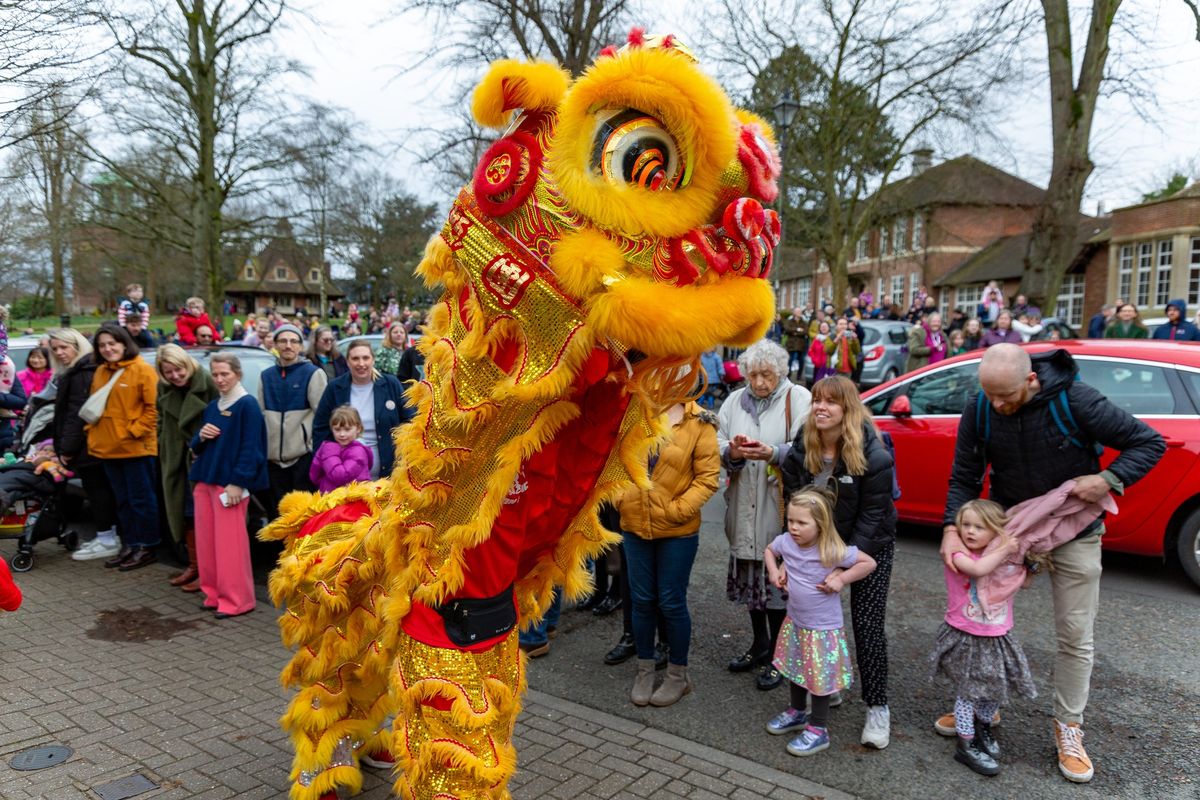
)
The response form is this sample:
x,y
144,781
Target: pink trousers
x,y
223,552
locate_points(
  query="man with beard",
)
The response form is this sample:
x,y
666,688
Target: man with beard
x,y
1035,426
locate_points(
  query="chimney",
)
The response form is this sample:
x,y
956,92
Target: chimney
x,y
922,159
1100,209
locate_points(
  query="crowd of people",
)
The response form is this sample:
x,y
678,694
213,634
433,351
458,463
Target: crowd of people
x,y
832,342
810,514
190,443
810,496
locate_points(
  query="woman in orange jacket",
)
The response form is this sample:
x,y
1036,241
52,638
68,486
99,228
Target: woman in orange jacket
x,y
660,531
124,438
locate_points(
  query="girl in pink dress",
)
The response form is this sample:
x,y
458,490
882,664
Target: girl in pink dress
x,y
974,649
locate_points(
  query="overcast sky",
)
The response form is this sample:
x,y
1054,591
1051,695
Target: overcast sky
x,y
355,53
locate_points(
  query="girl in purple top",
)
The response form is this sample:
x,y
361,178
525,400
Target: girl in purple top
x,y
812,652
344,459
974,649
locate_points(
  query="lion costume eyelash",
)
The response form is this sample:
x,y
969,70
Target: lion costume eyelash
x,y
612,234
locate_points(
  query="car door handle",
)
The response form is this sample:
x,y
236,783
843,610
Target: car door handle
x,y
1175,442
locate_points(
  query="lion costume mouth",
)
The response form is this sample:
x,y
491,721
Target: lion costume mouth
x,y
640,187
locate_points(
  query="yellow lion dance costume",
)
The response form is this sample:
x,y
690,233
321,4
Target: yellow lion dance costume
x,y
614,233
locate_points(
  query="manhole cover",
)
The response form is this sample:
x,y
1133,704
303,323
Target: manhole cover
x,y
40,757
125,787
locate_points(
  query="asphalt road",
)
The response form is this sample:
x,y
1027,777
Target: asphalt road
x,y
1142,725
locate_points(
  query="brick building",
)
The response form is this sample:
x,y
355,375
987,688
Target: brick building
x,y
1154,252
950,229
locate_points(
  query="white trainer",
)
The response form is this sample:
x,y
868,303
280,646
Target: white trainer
x,y
90,551
877,730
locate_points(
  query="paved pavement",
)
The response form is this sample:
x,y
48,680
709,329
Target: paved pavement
x,y
137,679
133,676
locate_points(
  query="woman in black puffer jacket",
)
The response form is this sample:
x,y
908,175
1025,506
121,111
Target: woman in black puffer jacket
x,y
75,367
840,450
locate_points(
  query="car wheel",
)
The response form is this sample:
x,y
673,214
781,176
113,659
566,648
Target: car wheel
x,y
1188,546
890,375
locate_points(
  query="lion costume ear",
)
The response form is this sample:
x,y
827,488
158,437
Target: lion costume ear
x,y
509,85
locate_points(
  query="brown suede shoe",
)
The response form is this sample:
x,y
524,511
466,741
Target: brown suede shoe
x,y
140,557
192,587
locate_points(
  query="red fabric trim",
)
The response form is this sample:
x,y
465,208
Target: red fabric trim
x,y
346,513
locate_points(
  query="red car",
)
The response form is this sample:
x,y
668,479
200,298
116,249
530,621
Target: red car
x,y
1156,381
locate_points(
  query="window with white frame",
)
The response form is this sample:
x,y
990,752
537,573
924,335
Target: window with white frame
x,y
1125,272
902,235
885,240
1193,291
918,232
898,293
1070,300
914,286
825,295
863,249
967,298
1145,262
249,272
314,274
878,291
804,293
944,304
281,273
1162,279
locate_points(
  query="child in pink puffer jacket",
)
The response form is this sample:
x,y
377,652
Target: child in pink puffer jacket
x,y
343,460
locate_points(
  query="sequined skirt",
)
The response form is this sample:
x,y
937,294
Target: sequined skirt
x,y
817,660
981,667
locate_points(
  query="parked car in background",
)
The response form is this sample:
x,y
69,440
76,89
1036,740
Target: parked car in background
x,y
1158,382
884,351
376,340
1153,323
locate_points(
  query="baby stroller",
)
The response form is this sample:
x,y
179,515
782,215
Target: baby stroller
x,y
31,501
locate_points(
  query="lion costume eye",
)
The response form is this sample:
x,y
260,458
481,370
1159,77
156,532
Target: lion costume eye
x,y
633,148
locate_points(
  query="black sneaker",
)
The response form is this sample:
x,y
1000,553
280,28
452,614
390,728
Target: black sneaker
x,y
662,654
768,679
624,650
607,606
968,753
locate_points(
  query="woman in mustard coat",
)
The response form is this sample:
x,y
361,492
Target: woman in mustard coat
x,y
660,527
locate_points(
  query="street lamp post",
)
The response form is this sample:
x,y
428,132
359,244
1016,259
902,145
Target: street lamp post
x,y
785,114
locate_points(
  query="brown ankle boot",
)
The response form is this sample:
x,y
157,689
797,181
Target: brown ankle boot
x,y
189,575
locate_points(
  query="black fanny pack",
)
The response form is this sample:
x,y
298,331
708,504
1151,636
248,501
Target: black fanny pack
x,y
471,620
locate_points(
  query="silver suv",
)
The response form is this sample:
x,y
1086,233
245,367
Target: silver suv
x,y
884,350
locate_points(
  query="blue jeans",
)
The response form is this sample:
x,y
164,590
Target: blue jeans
x,y
536,635
659,570
133,482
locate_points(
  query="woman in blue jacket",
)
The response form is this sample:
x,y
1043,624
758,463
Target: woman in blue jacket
x,y
231,462
378,399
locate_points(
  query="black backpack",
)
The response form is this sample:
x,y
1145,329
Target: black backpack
x,y
1060,411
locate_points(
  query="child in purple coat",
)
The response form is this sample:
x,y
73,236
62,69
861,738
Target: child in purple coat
x,y
343,460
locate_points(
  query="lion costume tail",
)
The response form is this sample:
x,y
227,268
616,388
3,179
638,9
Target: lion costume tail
x,y
331,583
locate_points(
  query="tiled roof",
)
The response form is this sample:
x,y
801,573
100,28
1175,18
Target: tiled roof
x,y
962,181
1004,258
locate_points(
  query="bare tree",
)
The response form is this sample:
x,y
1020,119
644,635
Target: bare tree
x,y
1072,110
323,150
42,50
474,33
49,159
202,73
872,80
570,32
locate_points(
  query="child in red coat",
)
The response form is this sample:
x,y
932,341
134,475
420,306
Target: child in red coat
x,y
10,595
193,316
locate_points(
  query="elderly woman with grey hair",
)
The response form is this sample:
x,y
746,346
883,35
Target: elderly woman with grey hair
x,y
757,424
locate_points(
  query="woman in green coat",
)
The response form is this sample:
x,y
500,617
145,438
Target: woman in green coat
x,y
184,392
1127,325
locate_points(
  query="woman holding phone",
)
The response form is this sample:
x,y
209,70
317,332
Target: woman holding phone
x,y
756,426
